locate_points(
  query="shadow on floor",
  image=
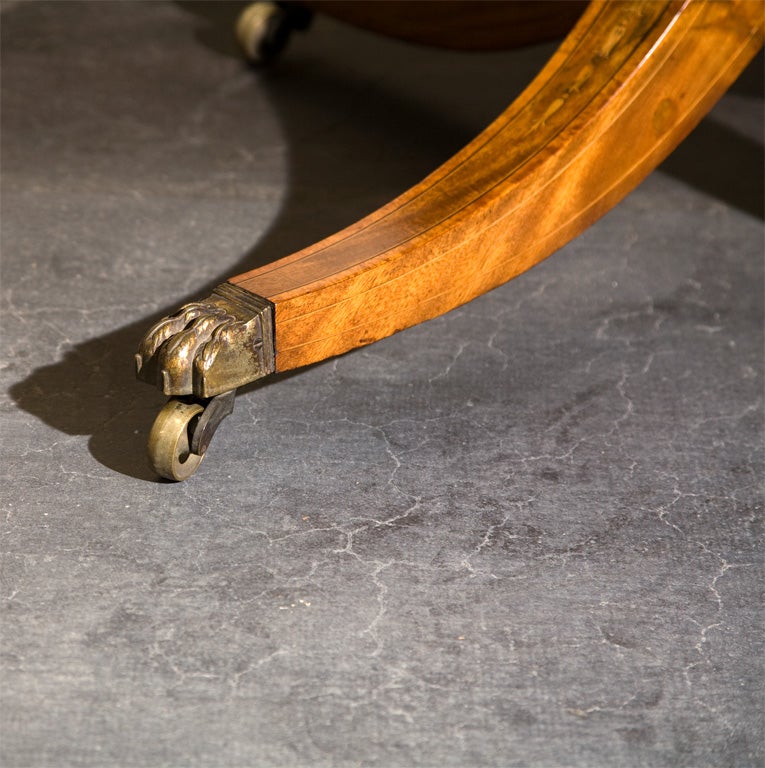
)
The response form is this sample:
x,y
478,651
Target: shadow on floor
x,y
93,390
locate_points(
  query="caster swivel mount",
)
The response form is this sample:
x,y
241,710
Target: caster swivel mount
x,y
199,356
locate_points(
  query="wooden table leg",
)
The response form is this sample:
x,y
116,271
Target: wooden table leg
x,y
625,87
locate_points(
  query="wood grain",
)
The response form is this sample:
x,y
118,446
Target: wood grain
x,y
625,87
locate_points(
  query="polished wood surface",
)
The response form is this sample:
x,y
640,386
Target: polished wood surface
x,y
625,87
458,24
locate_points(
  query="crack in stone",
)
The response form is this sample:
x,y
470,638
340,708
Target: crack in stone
x,y
236,679
486,540
382,591
602,331
664,510
456,356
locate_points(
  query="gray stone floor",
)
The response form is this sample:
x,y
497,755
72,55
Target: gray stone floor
x,y
523,534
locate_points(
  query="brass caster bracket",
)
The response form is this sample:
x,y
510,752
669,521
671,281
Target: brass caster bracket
x,y
215,410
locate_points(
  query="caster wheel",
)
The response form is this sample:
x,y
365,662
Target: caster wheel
x,y
170,440
262,31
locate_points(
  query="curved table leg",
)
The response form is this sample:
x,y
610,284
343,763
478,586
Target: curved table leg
x,y
626,86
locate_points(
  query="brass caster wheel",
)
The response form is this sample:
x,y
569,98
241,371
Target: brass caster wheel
x,y
263,29
182,433
170,440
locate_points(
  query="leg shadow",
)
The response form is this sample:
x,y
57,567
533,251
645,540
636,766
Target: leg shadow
x,y
92,390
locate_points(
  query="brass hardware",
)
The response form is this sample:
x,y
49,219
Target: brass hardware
x,y
264,28
170,439
209,347
215,411
253,27
182,433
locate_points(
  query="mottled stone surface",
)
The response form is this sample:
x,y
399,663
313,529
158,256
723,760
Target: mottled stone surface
x,y
525,533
